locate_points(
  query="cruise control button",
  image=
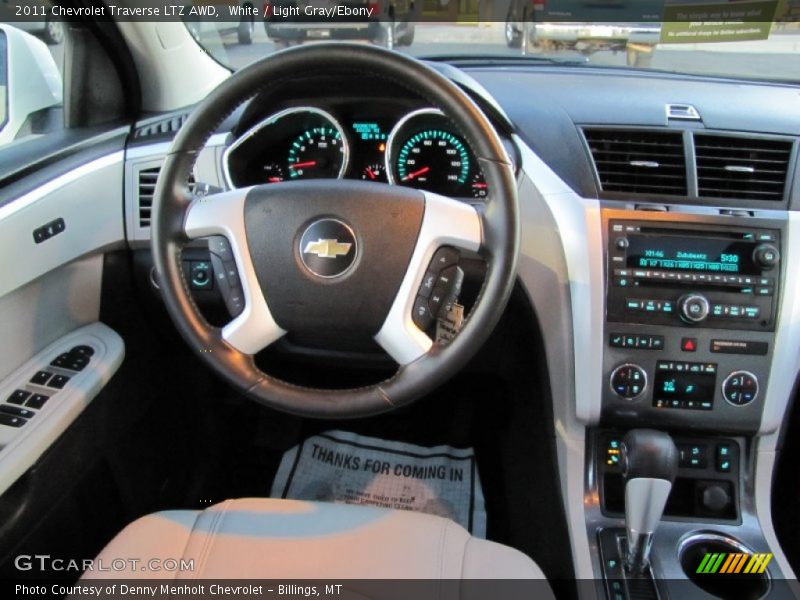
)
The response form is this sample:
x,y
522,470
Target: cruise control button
x,y
18,397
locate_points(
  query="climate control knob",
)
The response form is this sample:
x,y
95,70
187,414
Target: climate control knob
x,y
740,388
766,256
693,307
628,381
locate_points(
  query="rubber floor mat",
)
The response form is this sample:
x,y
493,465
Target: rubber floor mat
x,y
343,467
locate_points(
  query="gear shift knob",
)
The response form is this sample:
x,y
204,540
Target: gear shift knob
x,y
649,463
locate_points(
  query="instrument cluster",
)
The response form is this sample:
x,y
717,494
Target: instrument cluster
x,y
420,149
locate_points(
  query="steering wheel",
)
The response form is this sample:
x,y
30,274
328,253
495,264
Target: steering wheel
x,y
333,257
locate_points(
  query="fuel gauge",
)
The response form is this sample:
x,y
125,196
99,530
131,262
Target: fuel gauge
x,y
374,172
273,172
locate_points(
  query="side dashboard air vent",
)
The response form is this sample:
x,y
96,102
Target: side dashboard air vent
x,y
638,161
164,127
146,190
742,168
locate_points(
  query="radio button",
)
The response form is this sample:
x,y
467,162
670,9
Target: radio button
x,y
693,308
766,256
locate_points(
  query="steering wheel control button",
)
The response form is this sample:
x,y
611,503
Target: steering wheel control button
x,y
421,314
201,275
694,308
444,258
18,397
219,245
628,381
41,378
740,388
428,283
37,401
328,248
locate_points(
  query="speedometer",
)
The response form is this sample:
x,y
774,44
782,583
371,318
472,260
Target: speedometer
x,y
433,157
424,152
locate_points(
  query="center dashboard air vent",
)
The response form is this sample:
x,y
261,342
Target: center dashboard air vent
x,y
637,161
146,190
743,168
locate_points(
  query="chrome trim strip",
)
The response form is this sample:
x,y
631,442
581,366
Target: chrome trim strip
x,y
387,157
17,204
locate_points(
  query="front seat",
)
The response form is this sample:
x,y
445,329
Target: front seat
x,y
255,538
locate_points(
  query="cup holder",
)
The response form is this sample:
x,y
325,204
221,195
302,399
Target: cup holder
x,y
733,586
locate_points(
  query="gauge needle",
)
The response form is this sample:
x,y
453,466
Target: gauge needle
x,y
479,186
274,180
303,165
370,173
417,173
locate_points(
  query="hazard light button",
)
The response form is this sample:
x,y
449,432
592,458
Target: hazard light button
x,y
689,344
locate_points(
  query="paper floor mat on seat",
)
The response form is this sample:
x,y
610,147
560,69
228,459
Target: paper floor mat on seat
x,y
343,467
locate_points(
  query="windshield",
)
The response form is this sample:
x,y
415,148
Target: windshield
x,y
749,39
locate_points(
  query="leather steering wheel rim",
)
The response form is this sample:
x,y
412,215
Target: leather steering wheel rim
x,y
498,217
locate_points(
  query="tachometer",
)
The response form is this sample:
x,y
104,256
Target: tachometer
x,y
424,152
316,153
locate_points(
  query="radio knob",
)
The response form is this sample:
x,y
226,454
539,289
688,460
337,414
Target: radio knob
x,y
628,381
766,256
693,307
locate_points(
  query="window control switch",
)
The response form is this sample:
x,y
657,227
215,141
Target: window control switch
x,y
11,420
41,377
17,411
37,401
18,397
58,381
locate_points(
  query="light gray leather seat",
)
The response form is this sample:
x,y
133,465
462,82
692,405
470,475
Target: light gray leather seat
x,y
287,539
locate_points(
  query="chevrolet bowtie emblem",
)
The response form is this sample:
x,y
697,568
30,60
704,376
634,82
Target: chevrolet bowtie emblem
x,y
327,248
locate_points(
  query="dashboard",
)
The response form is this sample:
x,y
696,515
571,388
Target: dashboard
x,y
388,143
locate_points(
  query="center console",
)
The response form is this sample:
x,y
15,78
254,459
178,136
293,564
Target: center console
x,y
690,318
691,307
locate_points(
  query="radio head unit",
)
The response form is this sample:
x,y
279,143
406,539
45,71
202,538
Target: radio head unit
x,y
687,274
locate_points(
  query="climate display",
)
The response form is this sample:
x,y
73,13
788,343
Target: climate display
x,y
709,255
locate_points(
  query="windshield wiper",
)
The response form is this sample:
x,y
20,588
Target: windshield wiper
x,y
488,59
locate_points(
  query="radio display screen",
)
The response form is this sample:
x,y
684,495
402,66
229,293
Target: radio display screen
x,y
707,255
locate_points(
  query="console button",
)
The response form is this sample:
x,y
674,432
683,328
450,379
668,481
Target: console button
x,y
628,381
693,308
11,420
692,456
41,377
724,458
689,344
37,401
18,397
766,256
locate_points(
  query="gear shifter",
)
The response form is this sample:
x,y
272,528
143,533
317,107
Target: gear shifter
x,y
649,463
